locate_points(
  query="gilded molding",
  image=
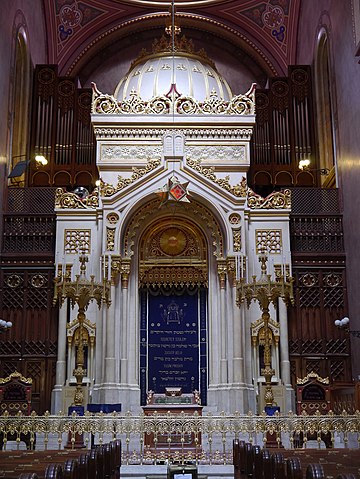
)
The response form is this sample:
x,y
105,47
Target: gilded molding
x,y
68,200
109,190
16,375
238,190
119,133
276,200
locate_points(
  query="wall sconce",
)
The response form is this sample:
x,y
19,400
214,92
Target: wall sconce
x,y
4,325
304,166
343,324
20,167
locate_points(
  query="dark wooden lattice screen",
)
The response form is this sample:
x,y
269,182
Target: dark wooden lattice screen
x,y
318,261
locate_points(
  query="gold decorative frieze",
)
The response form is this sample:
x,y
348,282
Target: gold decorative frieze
x,y
68,200
174,276
276,200
164,105
119,133
110,238
137,173
236,240
77,240
216,152
130,152
268,241
238,190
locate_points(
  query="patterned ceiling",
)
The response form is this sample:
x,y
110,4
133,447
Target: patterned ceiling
x,y
80,29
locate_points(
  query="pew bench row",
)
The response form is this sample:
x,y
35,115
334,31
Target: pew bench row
x,y
101,462
254,462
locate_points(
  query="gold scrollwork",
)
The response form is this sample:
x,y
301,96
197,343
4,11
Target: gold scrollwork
x,y
312,375
237,190
68,200
137,173
16,375
276,200
110,238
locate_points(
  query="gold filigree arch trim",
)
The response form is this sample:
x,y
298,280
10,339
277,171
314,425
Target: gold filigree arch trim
x,y
194,213
312,376
173,252
18,376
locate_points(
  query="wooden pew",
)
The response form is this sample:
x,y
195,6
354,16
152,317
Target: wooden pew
x,y
101,462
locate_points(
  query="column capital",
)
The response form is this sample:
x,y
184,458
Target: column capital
x,y
125,272
222,271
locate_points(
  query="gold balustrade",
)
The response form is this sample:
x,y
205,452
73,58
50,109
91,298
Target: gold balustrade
x,y
216,431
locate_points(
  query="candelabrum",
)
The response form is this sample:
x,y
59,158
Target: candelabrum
x,y
266,290
344,324
81,292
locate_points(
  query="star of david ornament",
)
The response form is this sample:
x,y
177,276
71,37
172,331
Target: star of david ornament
x,y
174,191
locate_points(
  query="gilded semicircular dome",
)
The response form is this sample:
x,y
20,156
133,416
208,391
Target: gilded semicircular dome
x,y
193,74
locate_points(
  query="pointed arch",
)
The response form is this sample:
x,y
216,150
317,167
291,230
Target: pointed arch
x,y
324,91
20,104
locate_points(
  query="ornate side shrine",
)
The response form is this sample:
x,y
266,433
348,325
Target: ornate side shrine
x,y
15,398
168,405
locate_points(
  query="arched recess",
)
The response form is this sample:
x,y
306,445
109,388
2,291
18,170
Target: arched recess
x,y
325,109
20,106
173,251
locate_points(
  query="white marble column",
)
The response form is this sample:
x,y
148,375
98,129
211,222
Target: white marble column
x,y
238,361
223,325
57,392
284,344
61,357
109,364
124,328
